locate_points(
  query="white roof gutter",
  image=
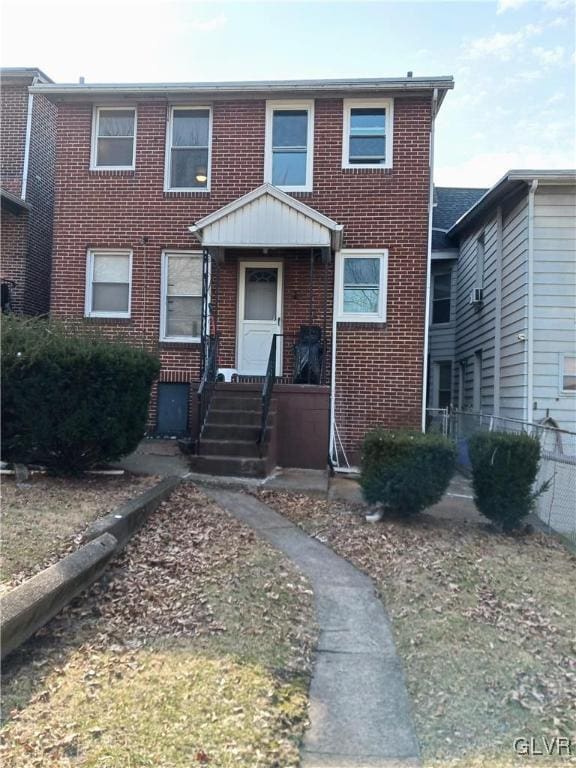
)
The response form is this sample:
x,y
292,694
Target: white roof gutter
x,y
163,90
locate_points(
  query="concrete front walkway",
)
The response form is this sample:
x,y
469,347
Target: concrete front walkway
x,y
359,708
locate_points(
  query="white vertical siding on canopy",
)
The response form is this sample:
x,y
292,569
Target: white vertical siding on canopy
x,y
554,300
266,221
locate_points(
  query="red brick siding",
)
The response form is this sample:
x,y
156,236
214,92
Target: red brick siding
x,y
14,105
379,367
13,250
30,269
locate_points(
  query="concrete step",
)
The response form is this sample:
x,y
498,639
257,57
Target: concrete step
x,y
233,466
222,416
246,448
246,432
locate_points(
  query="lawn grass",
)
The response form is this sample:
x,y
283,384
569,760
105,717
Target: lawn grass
x,y
195,649
43,517
484,624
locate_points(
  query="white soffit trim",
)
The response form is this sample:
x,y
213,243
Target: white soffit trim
x,y
268,217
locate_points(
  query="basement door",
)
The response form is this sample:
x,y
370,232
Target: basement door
x,y
259,316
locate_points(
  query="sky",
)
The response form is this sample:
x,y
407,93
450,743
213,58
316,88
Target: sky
x,y
513,61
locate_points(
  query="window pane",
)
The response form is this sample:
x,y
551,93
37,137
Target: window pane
x,y
361,271
445,375
569,377
367,147
184,276
361,300
189,168
116,122
367,121
110,297
190,127
442,286
115,152
441,311
261,294
289,169
184,316
111,269
290,128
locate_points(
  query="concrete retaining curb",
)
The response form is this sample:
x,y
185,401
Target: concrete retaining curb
x,y
30,606
33,603
128,518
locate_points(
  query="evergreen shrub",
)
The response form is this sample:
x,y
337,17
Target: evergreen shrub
x,y
504,468
405,471
71,400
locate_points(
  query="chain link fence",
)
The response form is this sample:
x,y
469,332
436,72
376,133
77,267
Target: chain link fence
x,y
557,506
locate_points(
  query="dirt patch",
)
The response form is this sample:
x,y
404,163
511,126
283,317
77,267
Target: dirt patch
x,y
194,649
483,622
44,518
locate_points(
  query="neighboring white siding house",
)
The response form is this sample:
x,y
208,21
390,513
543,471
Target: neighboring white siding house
x,y
514,352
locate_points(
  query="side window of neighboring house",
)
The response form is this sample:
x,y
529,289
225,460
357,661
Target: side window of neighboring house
x,y
289,145
362,280
181,305
441,297
367,139
461,385
568,373
479,276
108,283
477,391
188,149
442,384
113,138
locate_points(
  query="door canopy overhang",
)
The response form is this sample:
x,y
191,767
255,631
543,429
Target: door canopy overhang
x,y
268,218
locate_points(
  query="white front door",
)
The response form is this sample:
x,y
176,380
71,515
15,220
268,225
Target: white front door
x,y
259,316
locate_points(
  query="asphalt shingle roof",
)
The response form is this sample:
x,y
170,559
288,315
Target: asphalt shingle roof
x,y
452,203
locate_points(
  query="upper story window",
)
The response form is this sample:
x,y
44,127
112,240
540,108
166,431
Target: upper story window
x,y
479,276
568,373
441,298
113,138
108,283
188,149
289,145
181,310
367,140
362,277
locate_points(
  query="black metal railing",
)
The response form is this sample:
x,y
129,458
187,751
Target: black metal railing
x,y
208,383
267,388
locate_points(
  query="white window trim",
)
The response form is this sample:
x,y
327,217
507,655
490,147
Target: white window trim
x,y
273,106
88,311
349,104
94,147
164,295
168,152
369,317
446,322
565,392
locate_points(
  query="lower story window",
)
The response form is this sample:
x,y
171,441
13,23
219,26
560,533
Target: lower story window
x,y
108,282
443,384
569,373
181,296
362,286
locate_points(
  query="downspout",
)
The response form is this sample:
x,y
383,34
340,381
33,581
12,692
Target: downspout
x,y
27,142
429,262
530,324
333,448
498,312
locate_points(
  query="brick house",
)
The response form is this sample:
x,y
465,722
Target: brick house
x,y
272,234
27,161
